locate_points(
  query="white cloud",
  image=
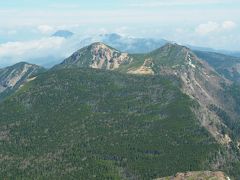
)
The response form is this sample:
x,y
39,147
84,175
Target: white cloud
x,y
30,47
13,52
209,27
214,27
45,29
229,25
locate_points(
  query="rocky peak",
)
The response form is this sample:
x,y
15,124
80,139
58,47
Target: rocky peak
x,y
97,55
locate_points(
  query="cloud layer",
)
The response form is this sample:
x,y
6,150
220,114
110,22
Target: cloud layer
x,y
13,52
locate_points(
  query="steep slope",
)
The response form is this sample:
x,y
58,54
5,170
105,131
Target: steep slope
x,y
227,66
12,77
95,124
199,80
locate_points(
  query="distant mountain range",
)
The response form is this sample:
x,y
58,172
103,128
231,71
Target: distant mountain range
x,y
131,44
107,114
64,42
143,45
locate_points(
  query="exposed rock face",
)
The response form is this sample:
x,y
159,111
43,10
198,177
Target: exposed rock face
x,y
12,77
197,176
97,55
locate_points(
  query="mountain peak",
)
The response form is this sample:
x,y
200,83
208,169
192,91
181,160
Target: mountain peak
x,y
98,44
173,54
101,45
21,65
97,55
175,46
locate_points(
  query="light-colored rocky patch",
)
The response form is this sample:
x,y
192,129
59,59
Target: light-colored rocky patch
x,y
200,175
189,60
107,58
31,79
13,79
28,80
145,69
238,145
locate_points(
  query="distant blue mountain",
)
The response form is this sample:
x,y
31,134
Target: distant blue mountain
x,y
63,33
126,43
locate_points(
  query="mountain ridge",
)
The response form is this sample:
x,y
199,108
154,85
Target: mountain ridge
x,y
199,80
89,84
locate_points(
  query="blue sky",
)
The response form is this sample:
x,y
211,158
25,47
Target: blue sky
x,y
208,23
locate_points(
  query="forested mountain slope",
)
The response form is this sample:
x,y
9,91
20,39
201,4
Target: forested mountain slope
x,y
217,96
95,124
104,114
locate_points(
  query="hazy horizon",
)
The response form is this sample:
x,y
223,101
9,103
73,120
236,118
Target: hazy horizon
x,y
26,26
